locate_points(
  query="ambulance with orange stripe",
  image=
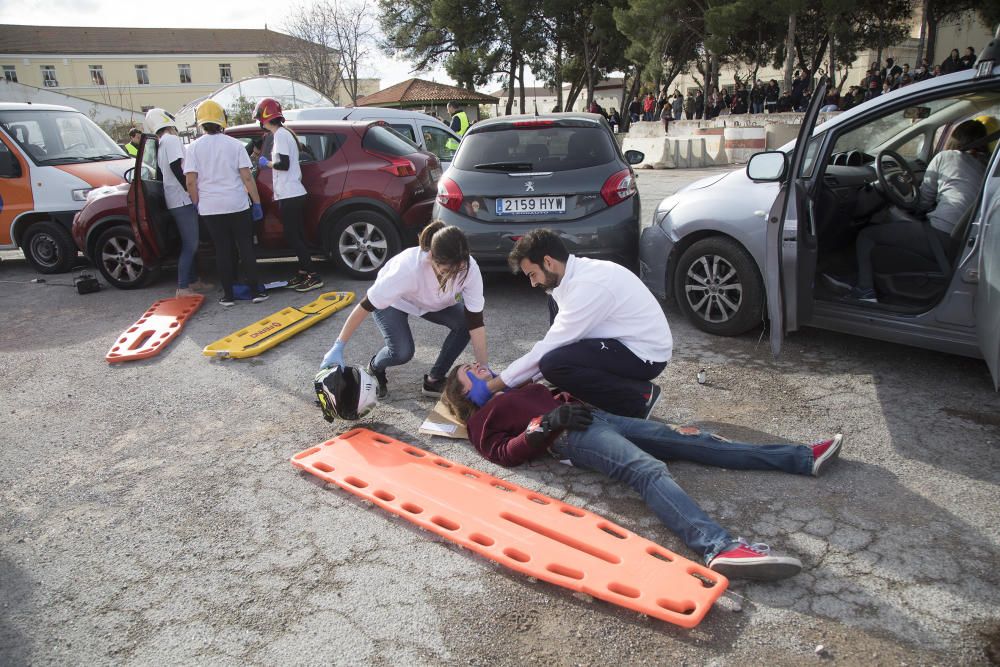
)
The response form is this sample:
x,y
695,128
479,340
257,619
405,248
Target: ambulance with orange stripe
x,y
51,157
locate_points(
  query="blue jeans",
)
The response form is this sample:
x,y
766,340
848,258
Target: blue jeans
x,y
395,328
186,218
633,451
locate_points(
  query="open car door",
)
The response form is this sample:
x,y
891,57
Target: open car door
x,y
988,290
145,186
790,227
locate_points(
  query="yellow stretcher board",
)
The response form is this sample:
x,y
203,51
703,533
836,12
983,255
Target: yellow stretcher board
x,y
275,329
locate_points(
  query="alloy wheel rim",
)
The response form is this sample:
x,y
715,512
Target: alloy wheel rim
x,y
713,289
363,247
120,258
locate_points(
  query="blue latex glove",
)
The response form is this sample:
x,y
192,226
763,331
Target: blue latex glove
x,y
263,163
335,357
256,212
480,393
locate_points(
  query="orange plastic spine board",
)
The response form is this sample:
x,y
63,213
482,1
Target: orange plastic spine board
x,y
155,329
528,532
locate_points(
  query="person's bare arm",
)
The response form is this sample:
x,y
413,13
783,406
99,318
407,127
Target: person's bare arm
x,y
352,323
249,184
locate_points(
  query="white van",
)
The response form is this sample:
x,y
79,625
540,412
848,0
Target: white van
x,y
425,131
50,158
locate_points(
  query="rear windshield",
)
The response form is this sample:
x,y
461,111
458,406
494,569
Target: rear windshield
x,y
545,148
384,140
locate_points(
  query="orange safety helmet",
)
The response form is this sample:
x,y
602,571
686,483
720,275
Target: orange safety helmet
x,y
268,109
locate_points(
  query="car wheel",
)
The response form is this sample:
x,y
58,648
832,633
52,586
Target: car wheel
x,y
362,242
718,287
48,247
118,259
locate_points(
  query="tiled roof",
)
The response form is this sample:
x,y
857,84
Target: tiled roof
x,y
415,91
29,39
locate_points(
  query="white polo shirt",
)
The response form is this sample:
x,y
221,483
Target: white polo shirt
x,y
217,159
407,283
287,184
599,299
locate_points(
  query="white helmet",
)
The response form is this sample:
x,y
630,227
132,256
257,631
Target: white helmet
x,y
157,119
347,393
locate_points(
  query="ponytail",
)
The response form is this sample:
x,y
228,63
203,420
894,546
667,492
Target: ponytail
x,y
427,233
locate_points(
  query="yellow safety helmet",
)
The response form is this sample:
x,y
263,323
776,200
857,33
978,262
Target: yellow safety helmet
x,y
210,111
992,125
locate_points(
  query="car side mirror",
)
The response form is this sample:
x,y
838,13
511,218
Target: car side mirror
x,y
129,174
767,166
9,166
634,157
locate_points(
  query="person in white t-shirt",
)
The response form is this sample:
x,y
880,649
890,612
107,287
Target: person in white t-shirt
x,y
608,340
288,189
438,281
217,171
170,160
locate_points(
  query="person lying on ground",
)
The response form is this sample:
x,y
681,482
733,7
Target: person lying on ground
x,y
528,422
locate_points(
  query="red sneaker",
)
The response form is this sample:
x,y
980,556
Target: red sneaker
x,y
754,561
824,452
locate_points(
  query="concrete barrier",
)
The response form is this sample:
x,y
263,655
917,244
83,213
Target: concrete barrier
x,y
742,142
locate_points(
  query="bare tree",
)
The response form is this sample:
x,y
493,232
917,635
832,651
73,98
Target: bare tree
x,y
331,45
355,36
310,55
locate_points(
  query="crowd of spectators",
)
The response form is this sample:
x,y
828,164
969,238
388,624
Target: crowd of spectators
x,y
759,97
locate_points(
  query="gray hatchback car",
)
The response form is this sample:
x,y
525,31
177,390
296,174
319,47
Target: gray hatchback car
x,y
754,244
563,171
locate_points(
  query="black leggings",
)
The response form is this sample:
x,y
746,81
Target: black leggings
x,y
293,212
232,233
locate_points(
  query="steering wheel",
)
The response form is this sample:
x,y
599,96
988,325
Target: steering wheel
x,y
898,182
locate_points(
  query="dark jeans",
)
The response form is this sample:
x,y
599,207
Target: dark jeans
x,y
912,236
293,212
232,234
604,373
633,451
395,328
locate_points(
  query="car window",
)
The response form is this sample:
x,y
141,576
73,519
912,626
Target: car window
x,y
436,140
405,130
317,147
149,171
384,140
557,148
59,137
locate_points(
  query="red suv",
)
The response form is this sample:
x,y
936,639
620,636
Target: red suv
x,y
370,192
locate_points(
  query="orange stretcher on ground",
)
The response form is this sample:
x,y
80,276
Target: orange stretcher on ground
x,y
536,535
274,329
155,329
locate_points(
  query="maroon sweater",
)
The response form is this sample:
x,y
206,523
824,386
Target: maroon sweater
x,y
497,428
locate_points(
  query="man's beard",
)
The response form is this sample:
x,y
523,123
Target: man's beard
x,y
551,280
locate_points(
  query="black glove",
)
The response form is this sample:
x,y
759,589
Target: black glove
x,y
572,417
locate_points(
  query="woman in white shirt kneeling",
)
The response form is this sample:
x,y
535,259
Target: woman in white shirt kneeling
x,y
438,281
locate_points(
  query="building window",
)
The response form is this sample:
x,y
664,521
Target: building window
x,y
263,69
97,75
184,71
49,79
225,73
142,75
10,73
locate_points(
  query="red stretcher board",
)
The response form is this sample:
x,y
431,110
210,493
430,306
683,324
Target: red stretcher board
x,y
155,329
533,534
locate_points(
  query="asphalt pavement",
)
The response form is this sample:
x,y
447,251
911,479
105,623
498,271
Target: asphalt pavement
x,y
149,513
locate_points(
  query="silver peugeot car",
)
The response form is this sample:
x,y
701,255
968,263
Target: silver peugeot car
x,y
776,241
563,171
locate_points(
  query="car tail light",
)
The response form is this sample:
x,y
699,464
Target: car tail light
x,y
534,123
619,187
449,194
398,166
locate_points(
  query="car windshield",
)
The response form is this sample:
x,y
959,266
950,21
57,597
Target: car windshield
x,y
875,133
542,148
59,137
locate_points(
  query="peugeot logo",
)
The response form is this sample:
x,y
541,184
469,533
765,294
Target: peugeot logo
x,y
529,186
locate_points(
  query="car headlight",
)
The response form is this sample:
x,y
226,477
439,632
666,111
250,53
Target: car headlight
x,y
81,195
664,208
